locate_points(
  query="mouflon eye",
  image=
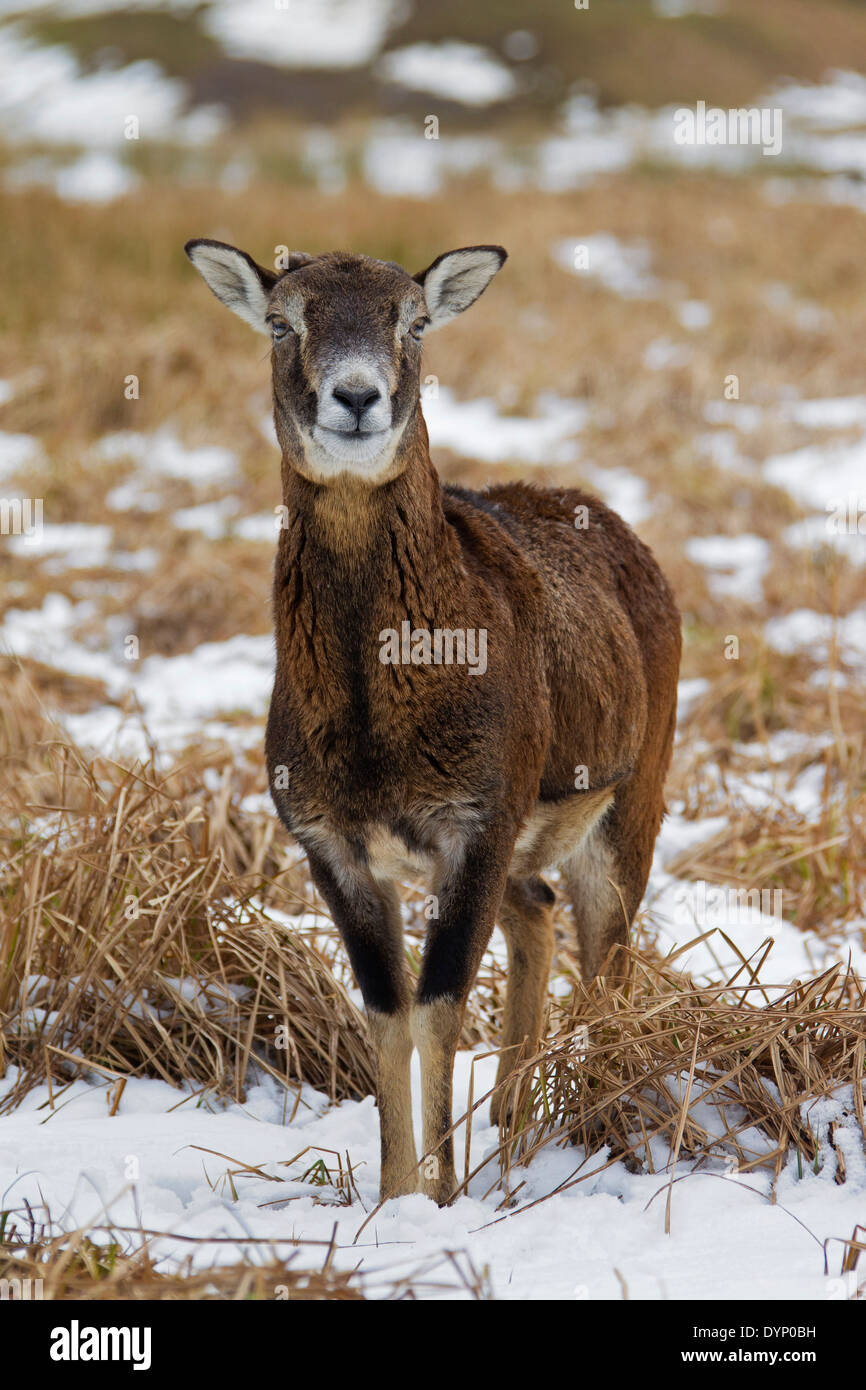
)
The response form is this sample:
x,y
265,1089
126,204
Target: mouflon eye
x,y
280,329
417,328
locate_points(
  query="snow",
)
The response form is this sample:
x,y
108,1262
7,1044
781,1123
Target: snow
x,y
457,71
163,453
722,449
689,692
398,160
17,451
211,518
819,474
680,912
676,9
476,429
731,1237
263,526
804,630
98,177
815,533
45,96
303,33
694,314
80,544
835,104
625,492
622,267
832,413
663,354
737,413
808,316
737,564
177,695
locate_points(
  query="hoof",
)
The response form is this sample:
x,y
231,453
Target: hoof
x,y
403,1187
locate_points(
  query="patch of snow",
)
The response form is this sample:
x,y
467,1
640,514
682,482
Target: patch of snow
x,y
303,33
694,314
139,561
681,910
17,451
741,415
590,143
676,9
133,496
663,354
211,518
98,177
622,267
820,475
177,695
809,317
262,526
82,545
835,104
622,491
588,1239
830,413
737,564
688,694
476,429
722,449
452,69
46,96
163,453
399,162
816,533
804,630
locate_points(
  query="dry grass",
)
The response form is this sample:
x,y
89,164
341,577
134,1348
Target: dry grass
x,y
130,941
105,1263
80,1267
709,1072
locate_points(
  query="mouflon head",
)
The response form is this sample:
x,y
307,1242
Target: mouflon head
x,y
346,333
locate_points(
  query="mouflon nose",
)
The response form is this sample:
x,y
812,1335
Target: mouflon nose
x,y
358,401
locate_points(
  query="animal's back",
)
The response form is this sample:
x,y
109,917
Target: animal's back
x,y
609,614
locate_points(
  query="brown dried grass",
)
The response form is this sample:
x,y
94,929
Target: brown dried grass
x,y
130,942
627,1064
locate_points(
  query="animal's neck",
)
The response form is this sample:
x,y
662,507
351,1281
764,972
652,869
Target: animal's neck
x,y
354,544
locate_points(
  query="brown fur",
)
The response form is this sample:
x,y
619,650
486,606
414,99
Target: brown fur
x,y
473,775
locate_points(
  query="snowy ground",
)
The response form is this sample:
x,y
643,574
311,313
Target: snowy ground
x,y
603,1238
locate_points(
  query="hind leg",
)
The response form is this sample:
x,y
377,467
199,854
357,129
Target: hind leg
x,y
526,919
607,874
602,917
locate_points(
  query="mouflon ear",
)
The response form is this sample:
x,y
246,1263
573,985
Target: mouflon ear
x,y
456,279
236,279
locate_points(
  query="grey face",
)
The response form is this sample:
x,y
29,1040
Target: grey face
x,y
346,333
346,362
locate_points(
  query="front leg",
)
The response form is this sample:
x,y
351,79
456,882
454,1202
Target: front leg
x,y
469,898
367,913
